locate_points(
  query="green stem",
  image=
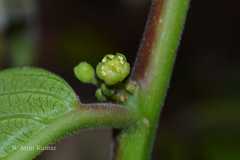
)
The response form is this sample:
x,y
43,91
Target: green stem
x,y
86,116
153,71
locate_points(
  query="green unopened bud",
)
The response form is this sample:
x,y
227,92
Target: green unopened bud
x,y
85,73
113,69
106,91
100,96
121,96
131,87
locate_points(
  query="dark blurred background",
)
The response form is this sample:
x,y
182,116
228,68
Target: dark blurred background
x,y
201,118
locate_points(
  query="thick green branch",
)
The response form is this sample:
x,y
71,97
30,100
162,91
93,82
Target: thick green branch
x,y
86,116
153,71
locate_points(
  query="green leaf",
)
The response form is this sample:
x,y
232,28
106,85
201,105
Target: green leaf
x,y
30,100
38,108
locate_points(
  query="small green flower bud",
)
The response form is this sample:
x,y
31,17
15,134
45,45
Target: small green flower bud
x,y
85,73
113,69
100,96
131,87
121,96
106,91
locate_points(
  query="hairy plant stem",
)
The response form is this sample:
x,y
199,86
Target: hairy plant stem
x,y
85,116
152,71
